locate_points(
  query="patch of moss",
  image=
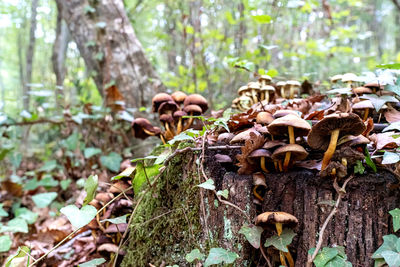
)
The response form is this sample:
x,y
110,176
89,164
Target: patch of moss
x,y
166,225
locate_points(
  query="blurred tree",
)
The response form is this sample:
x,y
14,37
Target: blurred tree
x,y
110,48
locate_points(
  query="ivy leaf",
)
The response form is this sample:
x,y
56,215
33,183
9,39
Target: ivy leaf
x,y
92,263
21,253
16,225
126,173
396,219
369,161
389,243
90,187
390,157
209,185
359,167
220,255
379,101
394,88
195,254
117,220
5,243
48,166
140,176
224,193
44,199
91,151
112,161
392,258
281,242
29,216
65,184
338,262
324,256
262,19
3,213
79,217
252,234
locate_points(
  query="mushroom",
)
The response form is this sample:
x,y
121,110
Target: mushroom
x,y
242,90
326,132
258,182
160,98
196,99
264,80
243,136
279,86
293,86
225,137
167,120
179,97
365,106
271,146
336,78
374,86
295,151
178,116
245,102
295,126
284,112
362,90
192,110
349,79
254,88
261,154
278,219
142,129
267,92
264,118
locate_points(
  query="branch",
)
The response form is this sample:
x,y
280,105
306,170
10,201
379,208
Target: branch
x,y
341,192
397,4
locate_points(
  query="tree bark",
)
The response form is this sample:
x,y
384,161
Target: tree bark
x,y
30,54
58,57
110,48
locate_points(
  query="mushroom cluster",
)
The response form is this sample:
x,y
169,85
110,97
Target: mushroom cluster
x,y
263,90
175,112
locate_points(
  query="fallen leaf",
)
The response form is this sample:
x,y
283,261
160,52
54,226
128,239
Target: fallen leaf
x,y
385,140
255,142
392,115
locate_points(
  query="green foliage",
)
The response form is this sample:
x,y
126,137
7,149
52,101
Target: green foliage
x,y
44,199
209,185
91,151
224,193
90,188
369,161
5,243
220,255
142,174
92,263
21,253
111,161
281,242
195,254
331,257
396,219
16,225
79,217
252,234
359,167
117,220
379,101
3,213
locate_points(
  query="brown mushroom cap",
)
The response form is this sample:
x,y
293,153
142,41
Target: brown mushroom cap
x,y
242,89
254,86
267,88
179,97
259,179
363,105
283,112
362,90
280,126
270,218
352,140
179,113
265,77
336,78
225,137
297,152
258,153
273,144
349,77
193,109
168,107
196,99
221,158
243,136
160,98
141,123
264,118
372,85
320,134
166,118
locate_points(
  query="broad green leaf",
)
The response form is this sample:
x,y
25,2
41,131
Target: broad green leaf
x,y
21,253
390,157
71,142
262,19
48,166
92,263
117,220
379,101
389,243
341,91
112,161
48,181
65,184
44,199
32,184
379,262
338,262
229,18
209,185
29,216
140,176
392,258
281,242
324,256
16,225
393,126
195,254
91,151
252,234
126,173
359,167
220,255
393,66
396,219
3,213
272,73
398,245
369,161
79,217
90,187
183,136
224,193
5,243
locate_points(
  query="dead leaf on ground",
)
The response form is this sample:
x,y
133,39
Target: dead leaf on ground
x,y
255,142
385,140
392,115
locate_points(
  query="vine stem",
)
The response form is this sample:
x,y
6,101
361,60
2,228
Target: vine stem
x,y
341,192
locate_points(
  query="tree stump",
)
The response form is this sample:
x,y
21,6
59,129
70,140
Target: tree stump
x,y
359,225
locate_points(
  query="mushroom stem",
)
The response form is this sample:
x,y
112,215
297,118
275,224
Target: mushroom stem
x,y
291,88
280,166
189,123
282,258
291,135
163,139
366,113
263,165
288,154
349,84
283,92
255,193
254,96
276,165
266,96
331,148
289,258
168,131
179,126
148,132
279,228
286,161
344,162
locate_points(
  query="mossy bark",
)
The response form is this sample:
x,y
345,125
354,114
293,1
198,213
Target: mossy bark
x,y
177,216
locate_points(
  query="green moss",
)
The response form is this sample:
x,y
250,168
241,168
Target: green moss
x,y
166,225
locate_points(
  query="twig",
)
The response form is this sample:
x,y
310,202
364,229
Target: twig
x,y
145,174
264,255
341,192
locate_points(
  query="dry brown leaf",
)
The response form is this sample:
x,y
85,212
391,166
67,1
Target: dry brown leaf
x,y
113,96
392,115
115,228
385,140
369,123
316,115
255,142
12,188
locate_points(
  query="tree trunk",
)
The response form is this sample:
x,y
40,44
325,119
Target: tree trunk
x,y
110,48
58,57
359,225
30,55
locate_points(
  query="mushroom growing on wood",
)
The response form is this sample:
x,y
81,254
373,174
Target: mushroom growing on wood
x,y
262,155
294,86
349,79
191,110
196,99
179,97
325,134
160,98
278,219
279,87
178,116
142,129
267,92
167,120
254,87
295,152
363,108
258,182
